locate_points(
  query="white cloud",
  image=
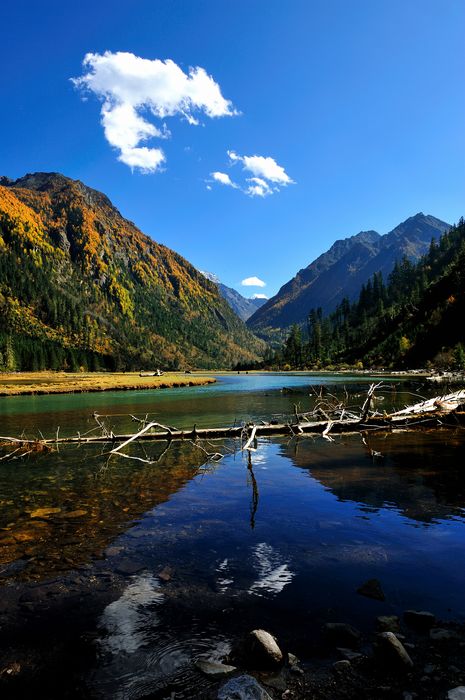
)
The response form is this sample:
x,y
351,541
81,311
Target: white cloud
x,y
267,176
253,282
223,178
128,84
262,167
259,296
258,188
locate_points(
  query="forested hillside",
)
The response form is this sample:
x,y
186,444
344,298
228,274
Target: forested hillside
x,y
340,272
82,287
416,317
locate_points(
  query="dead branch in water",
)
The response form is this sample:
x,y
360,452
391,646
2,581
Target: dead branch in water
x,y
440,411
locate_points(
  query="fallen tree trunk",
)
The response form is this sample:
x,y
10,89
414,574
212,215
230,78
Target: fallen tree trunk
x,y
441,411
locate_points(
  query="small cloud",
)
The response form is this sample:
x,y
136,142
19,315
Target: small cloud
x,y
267,176
253,282
258,188
130,86
259,296
223,178
263,167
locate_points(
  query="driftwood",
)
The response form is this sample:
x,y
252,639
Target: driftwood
x,y
441,411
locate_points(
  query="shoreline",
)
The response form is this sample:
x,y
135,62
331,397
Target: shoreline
x,y
44,383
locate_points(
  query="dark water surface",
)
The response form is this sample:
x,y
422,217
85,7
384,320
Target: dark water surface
x,y
280,541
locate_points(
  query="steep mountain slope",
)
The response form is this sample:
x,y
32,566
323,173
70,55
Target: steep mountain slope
x,y
415,318
82,286
244,307
341,271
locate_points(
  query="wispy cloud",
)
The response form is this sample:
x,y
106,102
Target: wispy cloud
x,y
253,282
267,177
223,178
129,85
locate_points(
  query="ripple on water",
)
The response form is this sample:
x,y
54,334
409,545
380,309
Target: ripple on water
x,y
140,656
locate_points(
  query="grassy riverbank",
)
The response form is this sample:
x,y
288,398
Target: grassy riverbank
x,y
20,383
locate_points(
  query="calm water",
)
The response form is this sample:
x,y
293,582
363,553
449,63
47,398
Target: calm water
x,y
280,541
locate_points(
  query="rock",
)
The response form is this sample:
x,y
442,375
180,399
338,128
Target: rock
x,y
388,623
276,682
372,589
297,670
392,650
166,574
12,670
242,688
419,619
456,693
214,668
292,659
342,666
261,650
429,668
349,654
340,633
438,634
44,512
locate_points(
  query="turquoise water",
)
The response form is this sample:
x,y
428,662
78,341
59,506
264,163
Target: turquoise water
x,y
281,540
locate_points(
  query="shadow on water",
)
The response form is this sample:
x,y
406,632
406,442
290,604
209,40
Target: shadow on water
x,y
419,474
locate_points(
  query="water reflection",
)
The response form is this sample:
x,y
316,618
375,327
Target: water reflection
x,y
417,473
255,494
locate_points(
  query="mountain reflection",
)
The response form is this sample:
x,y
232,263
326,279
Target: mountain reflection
x,y
417,473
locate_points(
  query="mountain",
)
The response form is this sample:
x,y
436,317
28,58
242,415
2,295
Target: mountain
x,y
341,271
416,318
244,307
80,285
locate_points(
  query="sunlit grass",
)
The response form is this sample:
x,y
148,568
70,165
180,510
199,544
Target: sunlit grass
x,y
15,384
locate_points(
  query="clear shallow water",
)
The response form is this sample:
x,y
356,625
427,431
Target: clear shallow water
x,y
280,542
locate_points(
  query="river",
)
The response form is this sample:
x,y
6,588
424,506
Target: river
x,y
117,574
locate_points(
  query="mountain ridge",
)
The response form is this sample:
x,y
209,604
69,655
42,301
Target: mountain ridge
x,y
86,285
341,271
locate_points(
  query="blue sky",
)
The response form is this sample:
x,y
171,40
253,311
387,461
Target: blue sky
x,y
360,103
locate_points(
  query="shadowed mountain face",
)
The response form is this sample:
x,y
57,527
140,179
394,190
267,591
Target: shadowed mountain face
x,y
242,306
341,271
80,285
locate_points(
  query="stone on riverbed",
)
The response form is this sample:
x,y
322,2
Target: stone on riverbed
x,y
214,668
456,693
242,688
260,650
388,623
419,619
341,634
441,635
391,649
342,666
372,589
